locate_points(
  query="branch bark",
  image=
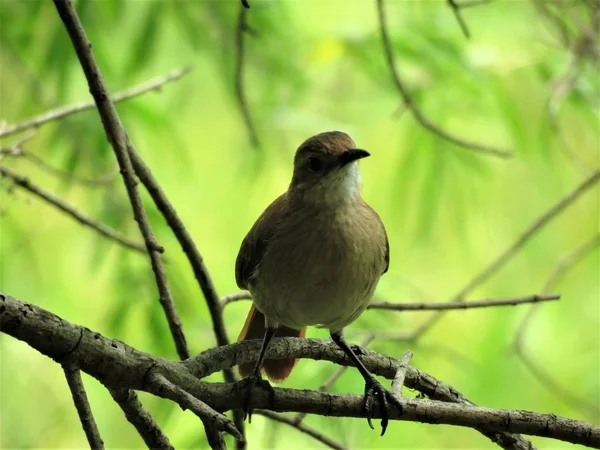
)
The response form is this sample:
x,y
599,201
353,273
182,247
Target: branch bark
x,y
84,410
463,305
141,419
119,141
71,211
120,366
414,108
61,113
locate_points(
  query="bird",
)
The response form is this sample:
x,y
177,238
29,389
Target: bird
x,y
314,258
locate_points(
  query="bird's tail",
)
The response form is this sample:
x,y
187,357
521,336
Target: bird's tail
x,y
276,369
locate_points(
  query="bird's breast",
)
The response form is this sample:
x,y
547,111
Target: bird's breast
x,y
320,267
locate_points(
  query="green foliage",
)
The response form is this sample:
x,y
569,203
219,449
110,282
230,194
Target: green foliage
x,y
312,66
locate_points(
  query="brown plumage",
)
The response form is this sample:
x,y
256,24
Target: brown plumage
x,y
315,255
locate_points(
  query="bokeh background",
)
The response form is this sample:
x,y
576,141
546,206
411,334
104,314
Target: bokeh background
x,y
312,66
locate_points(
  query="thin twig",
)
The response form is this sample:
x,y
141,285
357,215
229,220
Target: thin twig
x,y
196,261
538,224
71,211
412,106
61,113
398,381
235,297
490,302
83,408
239,75
565,264
469,3
119,141
459,18
322,438
141,419
209,416
463,305
17,150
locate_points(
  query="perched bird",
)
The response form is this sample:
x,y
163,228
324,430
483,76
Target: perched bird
x,y
314,257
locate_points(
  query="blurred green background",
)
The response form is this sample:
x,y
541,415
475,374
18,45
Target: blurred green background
x,y
313,66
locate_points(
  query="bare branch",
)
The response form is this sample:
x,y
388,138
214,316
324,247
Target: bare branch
x,y
538,224
196,262
61,113
235,297
241,29
141,419
412,106
335,376
568,262
119,141
398,381
322,438
208,416
459,18
83,408
117,364
469,3
463,305
70,210
490,302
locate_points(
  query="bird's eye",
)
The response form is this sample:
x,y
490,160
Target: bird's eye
x,y
315,164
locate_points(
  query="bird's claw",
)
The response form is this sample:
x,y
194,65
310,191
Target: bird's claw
x,y
374,389
247,386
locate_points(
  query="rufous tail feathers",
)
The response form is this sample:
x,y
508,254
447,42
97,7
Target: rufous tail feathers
x,y
276,369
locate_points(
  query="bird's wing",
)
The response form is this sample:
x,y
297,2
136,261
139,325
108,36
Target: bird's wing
x,y
385,236
255,243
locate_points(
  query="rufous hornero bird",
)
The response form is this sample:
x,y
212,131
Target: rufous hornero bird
x,y
314,257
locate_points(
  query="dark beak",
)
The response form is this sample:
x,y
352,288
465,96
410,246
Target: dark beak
x,y
353,154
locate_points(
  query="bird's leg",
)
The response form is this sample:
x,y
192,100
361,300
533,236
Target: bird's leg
x,y
255,378
373,388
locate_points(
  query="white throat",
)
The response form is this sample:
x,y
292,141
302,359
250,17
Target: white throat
x,y
338,188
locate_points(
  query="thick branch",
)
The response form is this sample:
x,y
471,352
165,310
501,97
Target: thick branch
x,y
83,408
70,210
412,106
463,305
61,113
141,419
120,366
119,141
208,416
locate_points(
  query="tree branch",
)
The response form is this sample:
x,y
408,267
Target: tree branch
x,y
398,381
61,113
241,29
538,224
412,106
141,419
70,210
322,438
568,262
463,305
83,408
209,417
119,141
118,365
459,18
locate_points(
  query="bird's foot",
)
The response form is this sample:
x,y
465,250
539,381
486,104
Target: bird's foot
x,y
373,390
247,385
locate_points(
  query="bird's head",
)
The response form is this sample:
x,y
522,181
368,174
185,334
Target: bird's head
x,y
326,169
